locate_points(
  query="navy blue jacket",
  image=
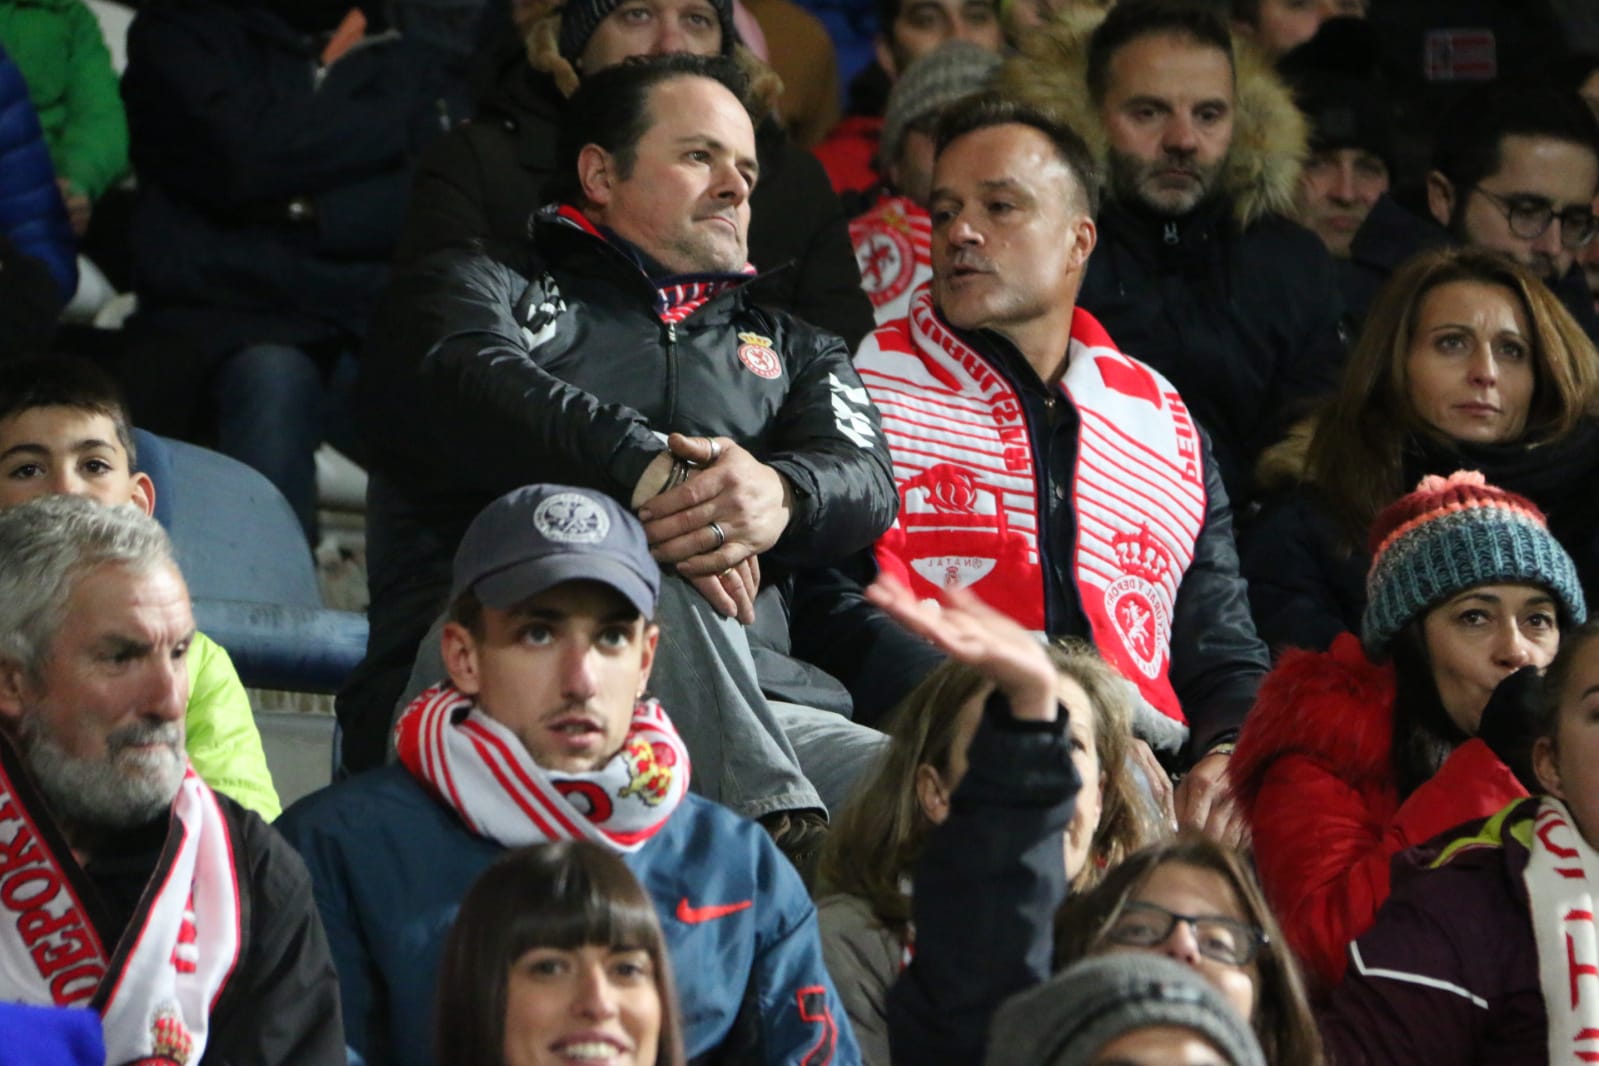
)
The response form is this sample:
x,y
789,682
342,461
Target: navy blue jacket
x,y
31,212
390,865
232,119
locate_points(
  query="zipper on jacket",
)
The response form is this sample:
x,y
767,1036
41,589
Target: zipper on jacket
x,y
1170,235
671,372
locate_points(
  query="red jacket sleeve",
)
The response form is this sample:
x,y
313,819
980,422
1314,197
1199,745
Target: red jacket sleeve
x,y
1323,846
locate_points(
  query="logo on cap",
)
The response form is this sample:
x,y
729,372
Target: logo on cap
x,y
571,518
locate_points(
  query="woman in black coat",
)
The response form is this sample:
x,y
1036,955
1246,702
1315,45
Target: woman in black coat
x,y
1466,361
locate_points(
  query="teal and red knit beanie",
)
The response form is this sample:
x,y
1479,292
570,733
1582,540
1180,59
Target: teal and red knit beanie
x,y
1454,534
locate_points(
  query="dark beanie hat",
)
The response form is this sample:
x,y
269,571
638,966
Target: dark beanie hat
x,y
1453,534
580,18
1068,1019
1336,84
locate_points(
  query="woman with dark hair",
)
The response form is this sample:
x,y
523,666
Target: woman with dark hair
x,y
556,956
1354,754
1196,901
876,839
1467,362
1486,950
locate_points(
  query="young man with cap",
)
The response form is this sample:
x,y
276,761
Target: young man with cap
x,y
891,239
542,731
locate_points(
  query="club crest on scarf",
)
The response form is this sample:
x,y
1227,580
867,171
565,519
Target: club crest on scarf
x,y
650,766
1133,600
170,1040
946,507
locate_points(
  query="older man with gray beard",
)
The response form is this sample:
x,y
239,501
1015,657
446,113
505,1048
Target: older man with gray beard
x,y
127,885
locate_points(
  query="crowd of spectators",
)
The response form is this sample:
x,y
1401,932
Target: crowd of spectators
x,y
1049,531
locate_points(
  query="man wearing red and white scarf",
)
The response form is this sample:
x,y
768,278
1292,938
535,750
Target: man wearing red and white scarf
x,y
1057,477
126,885
543,731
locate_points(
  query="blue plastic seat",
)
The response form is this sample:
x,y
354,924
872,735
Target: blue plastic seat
x,y
250,572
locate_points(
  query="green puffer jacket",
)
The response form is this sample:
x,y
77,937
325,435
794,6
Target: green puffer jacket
x,y
223,743
59,49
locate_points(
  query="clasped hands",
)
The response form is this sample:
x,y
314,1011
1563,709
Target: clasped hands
x,y
712,527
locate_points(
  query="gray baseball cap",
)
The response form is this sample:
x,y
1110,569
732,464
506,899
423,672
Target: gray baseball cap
x,y
539,536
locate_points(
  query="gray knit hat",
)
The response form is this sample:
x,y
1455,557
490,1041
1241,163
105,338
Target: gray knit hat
x,y
952,71
1453,534
580,18
1067,1020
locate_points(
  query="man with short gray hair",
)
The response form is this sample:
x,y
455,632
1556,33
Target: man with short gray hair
x,y
127,885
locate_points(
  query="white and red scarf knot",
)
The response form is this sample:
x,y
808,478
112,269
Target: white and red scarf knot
x,y
1560,872
970,490
678,296
155,990
479,769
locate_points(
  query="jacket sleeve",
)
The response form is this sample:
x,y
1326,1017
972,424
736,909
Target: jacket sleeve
x,y
1324,858
829,444
987,888
1313,362
1217,661
453,324
863,959
223,742
282,1007
93,150
1292,577
1419,984
212,123
803,1022
31,212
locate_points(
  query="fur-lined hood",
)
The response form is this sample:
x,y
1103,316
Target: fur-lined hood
x,y
1282,466
1270,135
1336,707
541,30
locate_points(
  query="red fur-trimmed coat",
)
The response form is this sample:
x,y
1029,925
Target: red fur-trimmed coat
x,y
1314,773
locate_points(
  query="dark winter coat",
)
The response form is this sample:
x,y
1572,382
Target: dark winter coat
x,y
487,178
552,364
233,119
1449,972
1306,586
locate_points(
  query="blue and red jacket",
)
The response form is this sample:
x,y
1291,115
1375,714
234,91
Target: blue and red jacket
x,y
390,865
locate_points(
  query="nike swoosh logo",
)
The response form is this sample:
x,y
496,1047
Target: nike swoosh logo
x,y
695,915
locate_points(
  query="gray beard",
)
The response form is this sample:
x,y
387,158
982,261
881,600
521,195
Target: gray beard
x,y
119,790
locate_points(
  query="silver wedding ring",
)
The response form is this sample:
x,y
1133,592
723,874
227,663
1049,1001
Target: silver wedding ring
x,y
721,538
716,449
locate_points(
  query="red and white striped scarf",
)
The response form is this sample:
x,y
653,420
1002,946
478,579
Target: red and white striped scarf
x,y
969,489
1560,879
479,769
893,247
676,296
156,988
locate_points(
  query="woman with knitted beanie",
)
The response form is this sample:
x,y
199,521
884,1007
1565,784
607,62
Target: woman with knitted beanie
x,y
1354,754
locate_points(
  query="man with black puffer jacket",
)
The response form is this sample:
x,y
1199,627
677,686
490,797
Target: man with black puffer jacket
x,y
618,351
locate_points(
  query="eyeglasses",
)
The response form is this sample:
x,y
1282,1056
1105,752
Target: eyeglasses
x,y
1529,216
1146,925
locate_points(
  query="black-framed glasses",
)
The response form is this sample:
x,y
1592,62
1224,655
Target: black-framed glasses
x,y
1147,925
1529,216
